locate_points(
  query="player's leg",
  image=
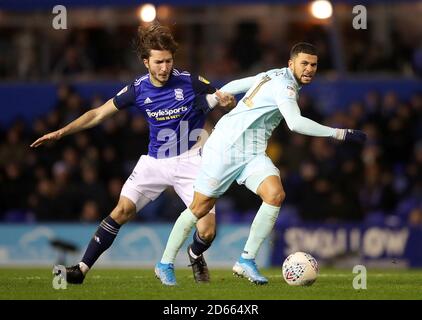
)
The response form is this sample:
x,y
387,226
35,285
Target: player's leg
x,y
202,239
204,234
267,184
272,194
102,239
214,178
139,189
199,207
107,232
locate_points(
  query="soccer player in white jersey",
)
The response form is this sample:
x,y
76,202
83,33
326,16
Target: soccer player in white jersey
x,y
175,105
236,151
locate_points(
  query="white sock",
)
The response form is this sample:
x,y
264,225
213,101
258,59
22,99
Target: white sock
x,y
84,268
192,254
261,227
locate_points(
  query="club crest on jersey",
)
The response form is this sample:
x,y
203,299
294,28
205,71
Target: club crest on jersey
x,y
291,92
178,94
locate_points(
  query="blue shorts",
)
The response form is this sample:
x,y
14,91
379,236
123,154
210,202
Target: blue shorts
x,y
222,164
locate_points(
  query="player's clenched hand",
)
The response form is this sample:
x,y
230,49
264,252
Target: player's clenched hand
x,y
351,135
225,99
52,136
355,136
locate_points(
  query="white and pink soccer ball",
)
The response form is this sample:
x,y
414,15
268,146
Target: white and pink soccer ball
x,y
300,269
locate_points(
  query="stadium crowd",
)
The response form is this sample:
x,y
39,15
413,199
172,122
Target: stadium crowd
x,y
92,53
80,177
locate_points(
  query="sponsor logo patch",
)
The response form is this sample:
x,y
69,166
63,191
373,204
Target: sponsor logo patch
x,y
166,112
291,92
202,79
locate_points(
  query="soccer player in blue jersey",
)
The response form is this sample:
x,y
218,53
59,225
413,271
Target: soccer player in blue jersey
x,y
236,151
175,105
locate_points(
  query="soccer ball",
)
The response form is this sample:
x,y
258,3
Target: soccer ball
x,y
300,269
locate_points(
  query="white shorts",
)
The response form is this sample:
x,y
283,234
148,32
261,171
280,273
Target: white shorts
x,y
152,176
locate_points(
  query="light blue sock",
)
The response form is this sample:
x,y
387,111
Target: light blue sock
x,y
261,227
178,235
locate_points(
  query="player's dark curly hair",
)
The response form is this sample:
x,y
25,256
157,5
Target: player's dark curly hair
x,y
154,37
303,47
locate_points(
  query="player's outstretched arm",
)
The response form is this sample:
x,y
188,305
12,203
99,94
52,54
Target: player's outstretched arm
x,y
241,85
89,119
297,123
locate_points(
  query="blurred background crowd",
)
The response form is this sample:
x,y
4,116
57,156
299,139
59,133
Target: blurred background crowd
x,y
220,41
80,177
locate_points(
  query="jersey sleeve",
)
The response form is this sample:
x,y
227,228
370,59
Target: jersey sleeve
x,y
286,99
201,85
241,85
286,90
126,97
202,88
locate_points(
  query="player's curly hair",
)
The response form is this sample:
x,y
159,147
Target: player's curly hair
x,y
154,37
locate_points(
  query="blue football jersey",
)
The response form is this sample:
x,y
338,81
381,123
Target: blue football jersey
x,y
175,112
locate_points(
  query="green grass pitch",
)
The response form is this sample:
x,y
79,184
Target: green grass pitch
x,y
140,284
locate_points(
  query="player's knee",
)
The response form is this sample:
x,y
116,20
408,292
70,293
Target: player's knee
x,y
274,197
207,235
200,208
123,212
